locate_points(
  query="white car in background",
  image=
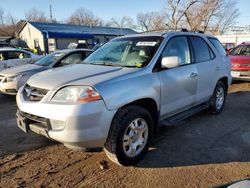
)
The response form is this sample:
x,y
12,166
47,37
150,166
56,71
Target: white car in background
x,y
11,57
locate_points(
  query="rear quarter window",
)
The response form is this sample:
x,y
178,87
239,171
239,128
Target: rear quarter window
x,y
216,43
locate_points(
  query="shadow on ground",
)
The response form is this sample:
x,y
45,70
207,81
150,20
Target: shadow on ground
x,y
205,138
12,139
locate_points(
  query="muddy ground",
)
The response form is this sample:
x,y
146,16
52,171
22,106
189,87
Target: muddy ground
x,y
204,151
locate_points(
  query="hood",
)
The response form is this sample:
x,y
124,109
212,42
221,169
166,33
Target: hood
x,y
240,59
78,74
22,69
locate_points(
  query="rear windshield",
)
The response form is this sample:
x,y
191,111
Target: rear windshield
x,y
216,43
241,50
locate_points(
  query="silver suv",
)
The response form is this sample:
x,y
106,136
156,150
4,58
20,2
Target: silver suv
x,y
125,90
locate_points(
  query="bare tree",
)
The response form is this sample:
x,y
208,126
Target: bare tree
x,y
175,11
213,16
8,24
84,16
36,15
152,21
123,22
227,17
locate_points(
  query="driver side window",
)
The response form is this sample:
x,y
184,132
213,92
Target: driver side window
x,y
72,59
178,46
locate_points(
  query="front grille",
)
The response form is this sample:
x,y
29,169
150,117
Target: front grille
x,y
33,94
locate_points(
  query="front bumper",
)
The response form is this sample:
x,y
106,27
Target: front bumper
x,y
86,124
240,75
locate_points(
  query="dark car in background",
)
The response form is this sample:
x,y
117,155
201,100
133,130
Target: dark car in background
x,y
12,79
240,58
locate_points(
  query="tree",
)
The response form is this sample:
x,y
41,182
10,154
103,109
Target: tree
x,y
84,16
8,24
36,15
122,22
152,21
213,16
175,11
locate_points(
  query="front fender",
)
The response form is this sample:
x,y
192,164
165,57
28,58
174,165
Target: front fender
x,y
118,93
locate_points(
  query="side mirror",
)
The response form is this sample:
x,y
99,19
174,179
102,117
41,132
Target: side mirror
x,y
170,62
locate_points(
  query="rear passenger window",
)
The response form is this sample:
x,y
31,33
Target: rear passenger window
x,y
202,52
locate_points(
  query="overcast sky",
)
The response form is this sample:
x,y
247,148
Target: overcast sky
x,y
104,9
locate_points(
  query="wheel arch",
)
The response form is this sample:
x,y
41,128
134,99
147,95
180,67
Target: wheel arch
x,y
224,80
150,105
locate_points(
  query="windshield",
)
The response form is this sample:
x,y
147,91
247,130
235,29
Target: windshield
x,y
126,52
49,59
241,50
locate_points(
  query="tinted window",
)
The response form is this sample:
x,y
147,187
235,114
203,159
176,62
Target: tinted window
x,y
201,49
178,46
241,50
17,55
216,43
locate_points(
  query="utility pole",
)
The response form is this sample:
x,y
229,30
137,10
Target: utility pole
x,y
50,10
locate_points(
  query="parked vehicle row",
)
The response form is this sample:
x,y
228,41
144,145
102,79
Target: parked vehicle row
x,y
11,57
240,58
125,90
13,78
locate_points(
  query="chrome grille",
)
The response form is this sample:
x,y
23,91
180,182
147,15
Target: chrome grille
x,y
33,94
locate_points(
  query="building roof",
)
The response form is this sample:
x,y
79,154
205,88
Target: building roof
x,y
66,30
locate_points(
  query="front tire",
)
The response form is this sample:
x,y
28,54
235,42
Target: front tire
x,y
217,101
130,135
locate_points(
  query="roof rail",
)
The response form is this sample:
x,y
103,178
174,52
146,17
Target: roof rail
x,y
184,30
200,31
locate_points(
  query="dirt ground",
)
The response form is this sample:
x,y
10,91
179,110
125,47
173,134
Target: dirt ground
x,y
204,151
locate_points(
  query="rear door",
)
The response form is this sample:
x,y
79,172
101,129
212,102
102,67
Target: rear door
x,y
179,84
207,67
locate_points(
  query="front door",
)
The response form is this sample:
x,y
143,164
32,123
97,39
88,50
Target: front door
x,y
179,84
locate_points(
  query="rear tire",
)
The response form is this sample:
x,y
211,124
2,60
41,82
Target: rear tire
x,y
130,135
218,99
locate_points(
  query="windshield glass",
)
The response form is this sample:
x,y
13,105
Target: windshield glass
x,y
241,50
126,52
49,59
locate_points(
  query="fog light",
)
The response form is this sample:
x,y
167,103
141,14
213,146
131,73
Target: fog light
x,y
57,124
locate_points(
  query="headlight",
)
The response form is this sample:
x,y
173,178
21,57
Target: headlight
x,y
14,78
76,94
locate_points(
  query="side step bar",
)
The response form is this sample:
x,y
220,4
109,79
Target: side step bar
x,y
183,115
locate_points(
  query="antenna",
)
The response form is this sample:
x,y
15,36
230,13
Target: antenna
x,y
50,10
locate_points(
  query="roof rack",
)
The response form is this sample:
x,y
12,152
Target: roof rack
x,y
184,30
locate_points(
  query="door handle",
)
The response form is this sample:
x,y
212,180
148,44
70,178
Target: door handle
x,y
193,75
217,68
